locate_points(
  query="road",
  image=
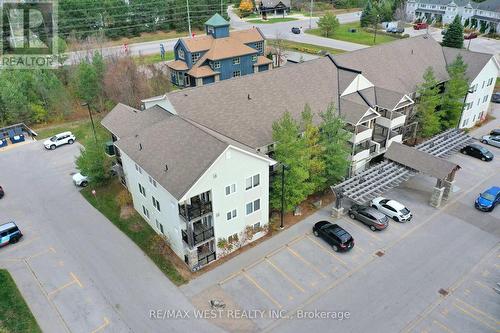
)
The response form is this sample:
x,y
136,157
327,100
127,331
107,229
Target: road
x,y
390,281
75,269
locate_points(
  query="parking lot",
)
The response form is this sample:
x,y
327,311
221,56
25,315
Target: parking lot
x,y
75,269
390,278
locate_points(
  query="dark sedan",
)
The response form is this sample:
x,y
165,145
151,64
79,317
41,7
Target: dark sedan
x,y
339,239
369,216
477,151
1,192
495,98
296,30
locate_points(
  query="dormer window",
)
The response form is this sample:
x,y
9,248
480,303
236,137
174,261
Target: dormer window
x,y
260,47
216,64
180,53
210,29
236,61
195,56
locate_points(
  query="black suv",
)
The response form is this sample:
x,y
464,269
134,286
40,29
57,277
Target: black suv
x,y
338,238
477,151
495,132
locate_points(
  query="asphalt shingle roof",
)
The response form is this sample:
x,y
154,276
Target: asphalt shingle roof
x,y
217,21
475,61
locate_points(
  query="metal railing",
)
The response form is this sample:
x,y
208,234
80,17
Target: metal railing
x,y
204,259
196,210
198,236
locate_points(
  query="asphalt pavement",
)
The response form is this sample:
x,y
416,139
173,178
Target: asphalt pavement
x,y
75,269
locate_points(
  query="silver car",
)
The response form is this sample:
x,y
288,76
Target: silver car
x,y
491,140
369,216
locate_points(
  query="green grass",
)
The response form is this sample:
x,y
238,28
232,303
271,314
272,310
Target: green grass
x,y
15,315
273,20
134,227
153,58
360,36
305,48
82,129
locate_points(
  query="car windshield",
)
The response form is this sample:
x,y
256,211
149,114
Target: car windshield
x,y
405,211
488,196
54,138
483,150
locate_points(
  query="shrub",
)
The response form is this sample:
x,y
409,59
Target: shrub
x,y
124,198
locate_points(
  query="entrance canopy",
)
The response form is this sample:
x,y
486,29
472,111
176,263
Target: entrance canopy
x,y
401,163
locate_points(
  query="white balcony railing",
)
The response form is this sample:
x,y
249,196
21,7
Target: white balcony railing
x,y
397,120
361,133
361,155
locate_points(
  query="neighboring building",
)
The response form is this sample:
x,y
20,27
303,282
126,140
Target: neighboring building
x,y
445,11
276,7
199,154
218,56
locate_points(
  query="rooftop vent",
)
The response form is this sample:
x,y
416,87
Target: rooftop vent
x,y
249,98
140,146
166,167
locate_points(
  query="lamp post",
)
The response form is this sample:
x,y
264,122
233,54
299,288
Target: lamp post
x,y
375,29
283,168
91,119
311,14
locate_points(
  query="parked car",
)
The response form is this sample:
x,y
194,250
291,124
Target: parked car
x,y
471,35
80,180
2,193
9,234
333,234
395,30
393,209
369,216
59,140
493,140
419,26
495,98
495,132
477,151
487,200
296,30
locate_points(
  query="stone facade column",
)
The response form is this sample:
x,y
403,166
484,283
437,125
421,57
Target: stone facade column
x,y
448,189
337,212
437,196
192,255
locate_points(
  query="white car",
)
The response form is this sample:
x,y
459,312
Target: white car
x,y
393,209
80,180
491,140
59,140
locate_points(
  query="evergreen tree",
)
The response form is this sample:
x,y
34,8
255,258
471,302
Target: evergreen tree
x,y
94,163
368,15
316,163
454,36
290,150
454,94
334,139
428,120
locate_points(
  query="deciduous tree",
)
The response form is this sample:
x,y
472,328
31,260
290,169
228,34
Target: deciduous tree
x,y
454,94
328,24
316,163
94,163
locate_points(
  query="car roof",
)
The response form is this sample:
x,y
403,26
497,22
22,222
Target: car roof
x,y
395,204
339,232
7,226
64,133
493,190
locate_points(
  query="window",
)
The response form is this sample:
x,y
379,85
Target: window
x,y
216,64
230,189
253,181
256,227
210,29
159,226
152,181
490,81
146,211
236,61
195,56
180,52
142,190
231,215
260,47
483,84
236,73
485,98
156,204
138,168
254,58
253,206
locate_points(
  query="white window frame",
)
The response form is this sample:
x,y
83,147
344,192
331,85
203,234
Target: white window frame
x,y
210,29
252,205
236,73
181,54
252,182
195,56
152,181
145,211
231,215
138,168
260,47
232,189
142,190
236,61
156,203
254,58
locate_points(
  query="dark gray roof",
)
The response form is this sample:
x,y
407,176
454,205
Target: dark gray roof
x,y
475,61
124,120
491,5
352,108
174,142
387,99
245,108
419,160
400,65
274,3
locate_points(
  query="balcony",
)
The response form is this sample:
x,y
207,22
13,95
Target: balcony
x,y
360,153
394,137
196,209
206,258
360,133
199,235
391,119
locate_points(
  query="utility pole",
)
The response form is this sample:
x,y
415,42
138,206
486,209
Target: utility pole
x,y
221,6
189,19
375,29
91,119
311,14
